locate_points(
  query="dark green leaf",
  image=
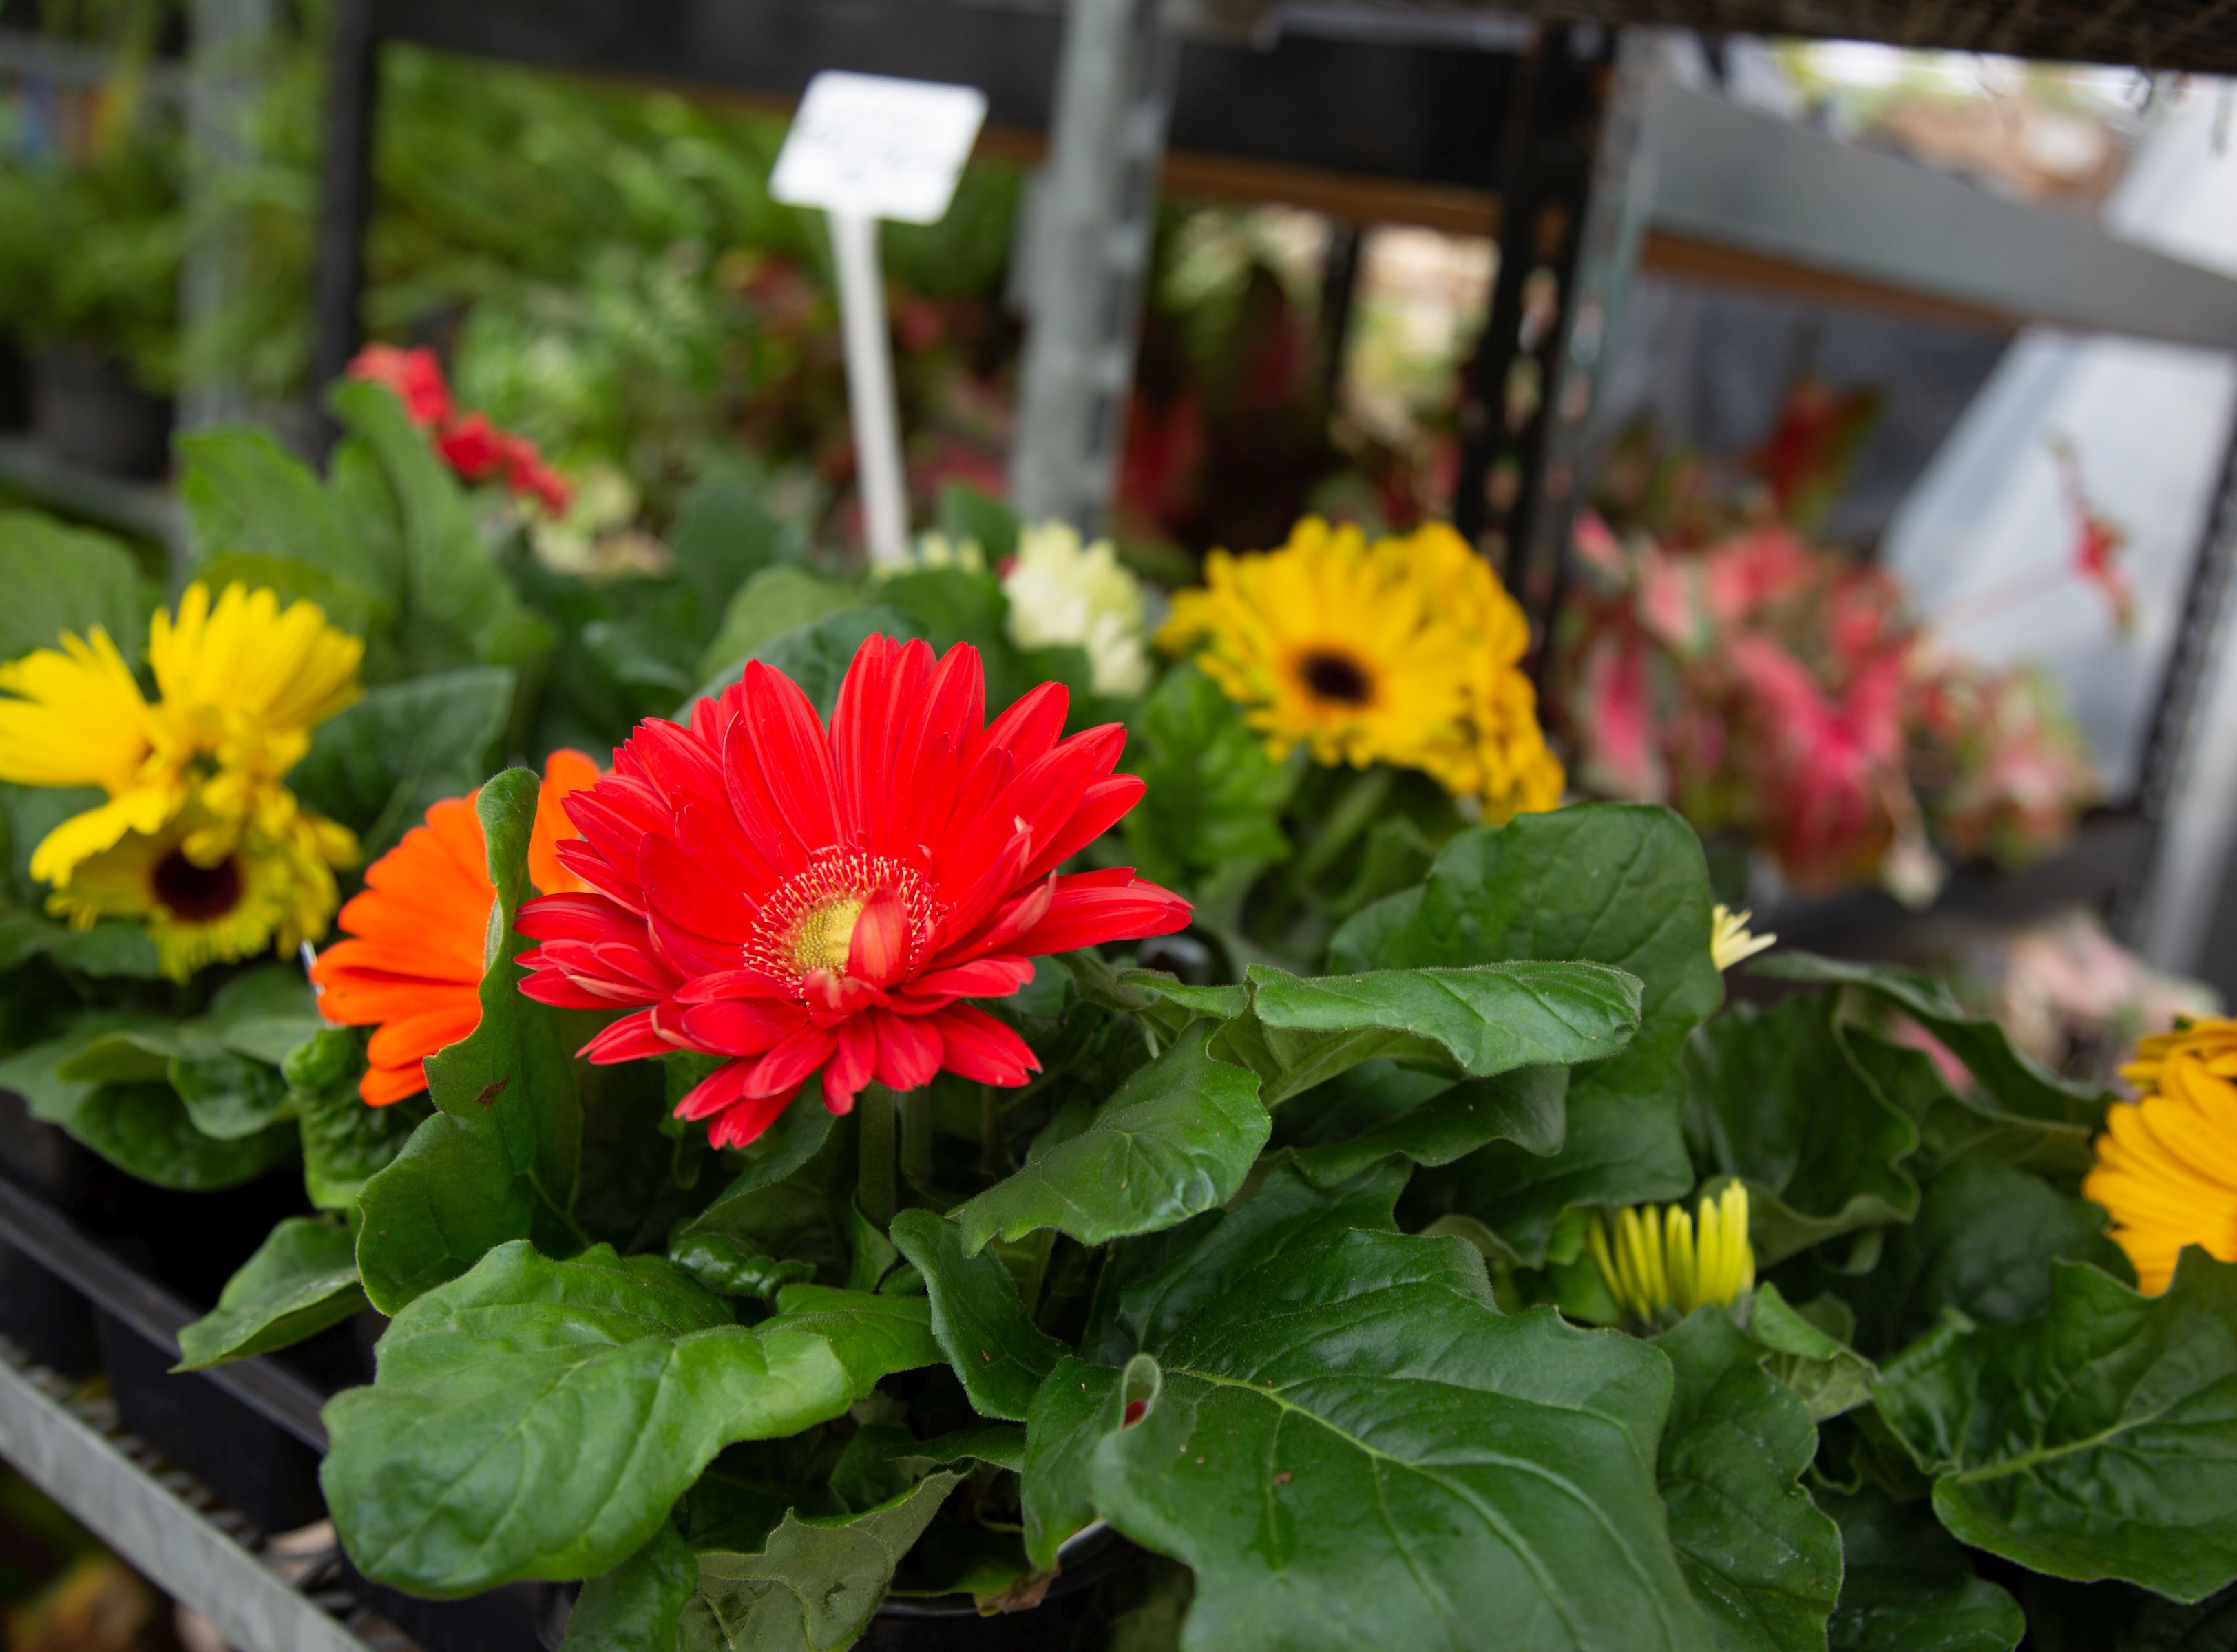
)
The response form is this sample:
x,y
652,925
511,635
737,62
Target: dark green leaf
x,y
1178,1138
2014,1082
141,1128
1952,1126
1482,1020
245,495
726,531
815,655
990,1340
452,605
1821,1369
815,1585
108,949
345,1143
637,1607
378,766
773,602
1778,1103
966,513
1613,884
1524,1106
2093,1442
1984,1243
1907,1587
1765,1564
774,1224
535,1419
1003,1447
1215,797
64,579
1352,1447
300,1280
508,1136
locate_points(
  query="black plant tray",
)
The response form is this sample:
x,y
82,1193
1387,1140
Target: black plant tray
x,y
250,1432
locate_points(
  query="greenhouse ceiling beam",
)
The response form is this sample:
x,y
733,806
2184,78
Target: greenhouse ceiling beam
x,y
1788,199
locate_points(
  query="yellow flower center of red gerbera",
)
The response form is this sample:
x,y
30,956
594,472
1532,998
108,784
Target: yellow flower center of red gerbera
x,y
808,922
825,933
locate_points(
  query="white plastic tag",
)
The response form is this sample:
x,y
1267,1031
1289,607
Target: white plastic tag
x,y
874,147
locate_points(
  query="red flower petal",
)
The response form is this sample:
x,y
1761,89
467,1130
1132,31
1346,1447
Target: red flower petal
x,y
978,1046
908,1050
851,1068
721,1089
986,977
784,1067
742,1027
879,950
1087,914
631,1038
743,1124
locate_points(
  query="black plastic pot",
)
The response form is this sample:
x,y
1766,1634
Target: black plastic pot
x,y
87,412
38,1313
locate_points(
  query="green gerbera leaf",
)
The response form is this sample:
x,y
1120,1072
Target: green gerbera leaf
x,y
2094,1441
535,1419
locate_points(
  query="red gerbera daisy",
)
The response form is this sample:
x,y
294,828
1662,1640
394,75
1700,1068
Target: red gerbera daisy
x,y
796,900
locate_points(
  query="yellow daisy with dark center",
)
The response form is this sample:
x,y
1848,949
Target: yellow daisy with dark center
x,y
1330,643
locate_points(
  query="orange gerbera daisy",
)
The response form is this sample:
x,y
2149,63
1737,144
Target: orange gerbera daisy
x,y
412,965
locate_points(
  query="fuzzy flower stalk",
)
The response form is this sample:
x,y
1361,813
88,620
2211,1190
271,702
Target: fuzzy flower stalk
x,y
1660,1265
798,899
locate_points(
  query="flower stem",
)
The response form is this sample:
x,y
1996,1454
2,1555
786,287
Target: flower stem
x,y
877,1191
916,1135
1356,808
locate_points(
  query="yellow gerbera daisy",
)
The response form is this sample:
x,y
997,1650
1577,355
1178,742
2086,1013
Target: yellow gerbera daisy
x,y
260,891
2167,1164
1329,643
1661,1263
1498,754
241,680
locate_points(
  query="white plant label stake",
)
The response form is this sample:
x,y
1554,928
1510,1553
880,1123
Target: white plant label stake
x,y
862,148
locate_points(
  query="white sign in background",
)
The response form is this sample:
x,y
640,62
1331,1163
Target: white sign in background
x,y
878,148
867,147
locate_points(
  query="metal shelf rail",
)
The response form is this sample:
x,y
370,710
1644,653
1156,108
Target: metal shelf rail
x,y
173,1532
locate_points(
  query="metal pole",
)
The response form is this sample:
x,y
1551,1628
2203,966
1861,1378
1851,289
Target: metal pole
x,y
2168,755
870,388
345,189
227,37
1091,250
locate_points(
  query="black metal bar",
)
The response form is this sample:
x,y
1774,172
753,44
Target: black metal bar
x,y
1339,286
2182,684
1484,395
346,188
58,1244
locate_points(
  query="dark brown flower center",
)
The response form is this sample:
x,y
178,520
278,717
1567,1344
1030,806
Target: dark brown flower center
x,y
1331,676
198,894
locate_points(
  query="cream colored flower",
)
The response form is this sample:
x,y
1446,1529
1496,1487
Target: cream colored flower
x,y
1731,941
1064,592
